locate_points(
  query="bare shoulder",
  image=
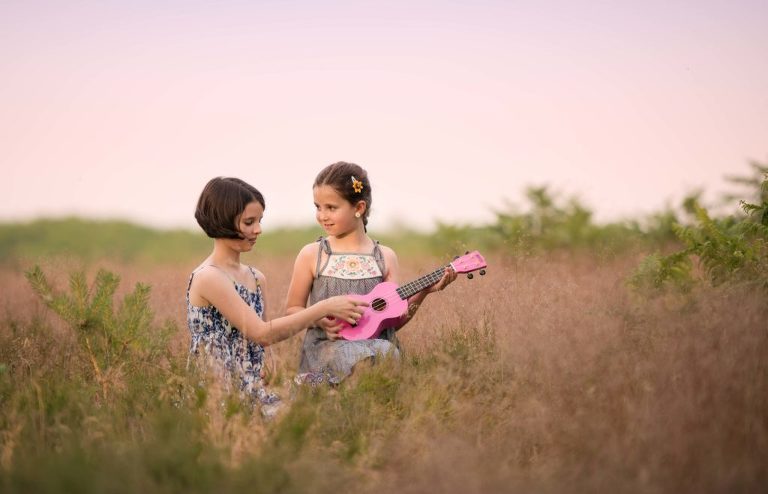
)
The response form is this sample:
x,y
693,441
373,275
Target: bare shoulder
x,y
391,264
388,253
207,275
301,279
309,251
307,256
206,281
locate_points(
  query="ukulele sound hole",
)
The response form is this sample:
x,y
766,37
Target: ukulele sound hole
x,y
378,304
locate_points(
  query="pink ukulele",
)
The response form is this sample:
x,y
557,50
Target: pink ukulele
x,y
388,302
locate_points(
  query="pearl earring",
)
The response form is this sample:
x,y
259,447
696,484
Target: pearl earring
x,y
357,215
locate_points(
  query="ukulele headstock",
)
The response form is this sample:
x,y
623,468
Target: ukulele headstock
x,y
469,262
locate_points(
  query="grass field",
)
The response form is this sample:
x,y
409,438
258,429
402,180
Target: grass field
x,y
547,375
579,363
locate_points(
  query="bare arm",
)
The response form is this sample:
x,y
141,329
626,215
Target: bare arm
x,y
268,369
217,290
301,279
301,284
262,281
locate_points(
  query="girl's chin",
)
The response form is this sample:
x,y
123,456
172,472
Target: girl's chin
x,y
246,246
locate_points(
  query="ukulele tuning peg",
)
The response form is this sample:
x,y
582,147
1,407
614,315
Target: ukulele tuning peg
x,y
482,272
467,252
470,276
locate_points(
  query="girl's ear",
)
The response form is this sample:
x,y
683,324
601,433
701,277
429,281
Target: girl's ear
x,y
361,207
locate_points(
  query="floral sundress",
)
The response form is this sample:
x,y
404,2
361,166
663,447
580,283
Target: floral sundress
x,y
236,360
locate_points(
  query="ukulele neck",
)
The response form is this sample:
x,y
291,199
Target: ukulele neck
x,y
417,285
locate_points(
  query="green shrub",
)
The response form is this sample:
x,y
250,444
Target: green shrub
x,y
733,249
116,341
553,223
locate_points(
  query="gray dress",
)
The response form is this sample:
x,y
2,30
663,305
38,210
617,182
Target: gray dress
x,y
343,273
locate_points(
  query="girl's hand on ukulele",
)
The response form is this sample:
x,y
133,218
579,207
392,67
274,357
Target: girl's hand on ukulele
x,y
346,308
331,326
448,277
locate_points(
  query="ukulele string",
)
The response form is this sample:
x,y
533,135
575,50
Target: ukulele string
x,y
422,283
432,278
381,302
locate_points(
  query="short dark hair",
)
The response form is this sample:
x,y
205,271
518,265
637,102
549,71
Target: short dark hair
x,y
224,199
339,176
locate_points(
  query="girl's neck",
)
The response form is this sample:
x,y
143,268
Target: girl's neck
x,y
354,241
224,256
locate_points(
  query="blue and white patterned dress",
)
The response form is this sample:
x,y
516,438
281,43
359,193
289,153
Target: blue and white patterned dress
x,y
234,359
342,274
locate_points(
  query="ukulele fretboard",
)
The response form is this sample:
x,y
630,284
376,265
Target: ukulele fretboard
x,y
419,284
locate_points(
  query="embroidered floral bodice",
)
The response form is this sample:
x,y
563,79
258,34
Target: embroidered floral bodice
x,y
352,266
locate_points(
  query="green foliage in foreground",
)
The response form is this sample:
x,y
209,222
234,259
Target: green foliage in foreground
x,y
115,340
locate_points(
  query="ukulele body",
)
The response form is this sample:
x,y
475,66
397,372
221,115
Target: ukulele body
x,y
385,308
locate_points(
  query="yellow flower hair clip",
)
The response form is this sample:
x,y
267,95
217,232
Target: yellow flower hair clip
x,y
357,185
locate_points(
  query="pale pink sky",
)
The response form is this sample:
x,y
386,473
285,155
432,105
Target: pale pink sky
x,y
126,109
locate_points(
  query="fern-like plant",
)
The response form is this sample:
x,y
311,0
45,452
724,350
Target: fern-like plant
x,y
729,250
115,341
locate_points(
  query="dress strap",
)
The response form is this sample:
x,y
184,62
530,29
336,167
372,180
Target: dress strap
x,y
189,284
379,256
324,246
192,277
253,273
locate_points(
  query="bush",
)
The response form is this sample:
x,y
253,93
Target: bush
x,y
733,249
552,223
116,342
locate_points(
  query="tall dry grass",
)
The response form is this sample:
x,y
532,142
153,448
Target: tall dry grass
x,y
569,382
546,375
